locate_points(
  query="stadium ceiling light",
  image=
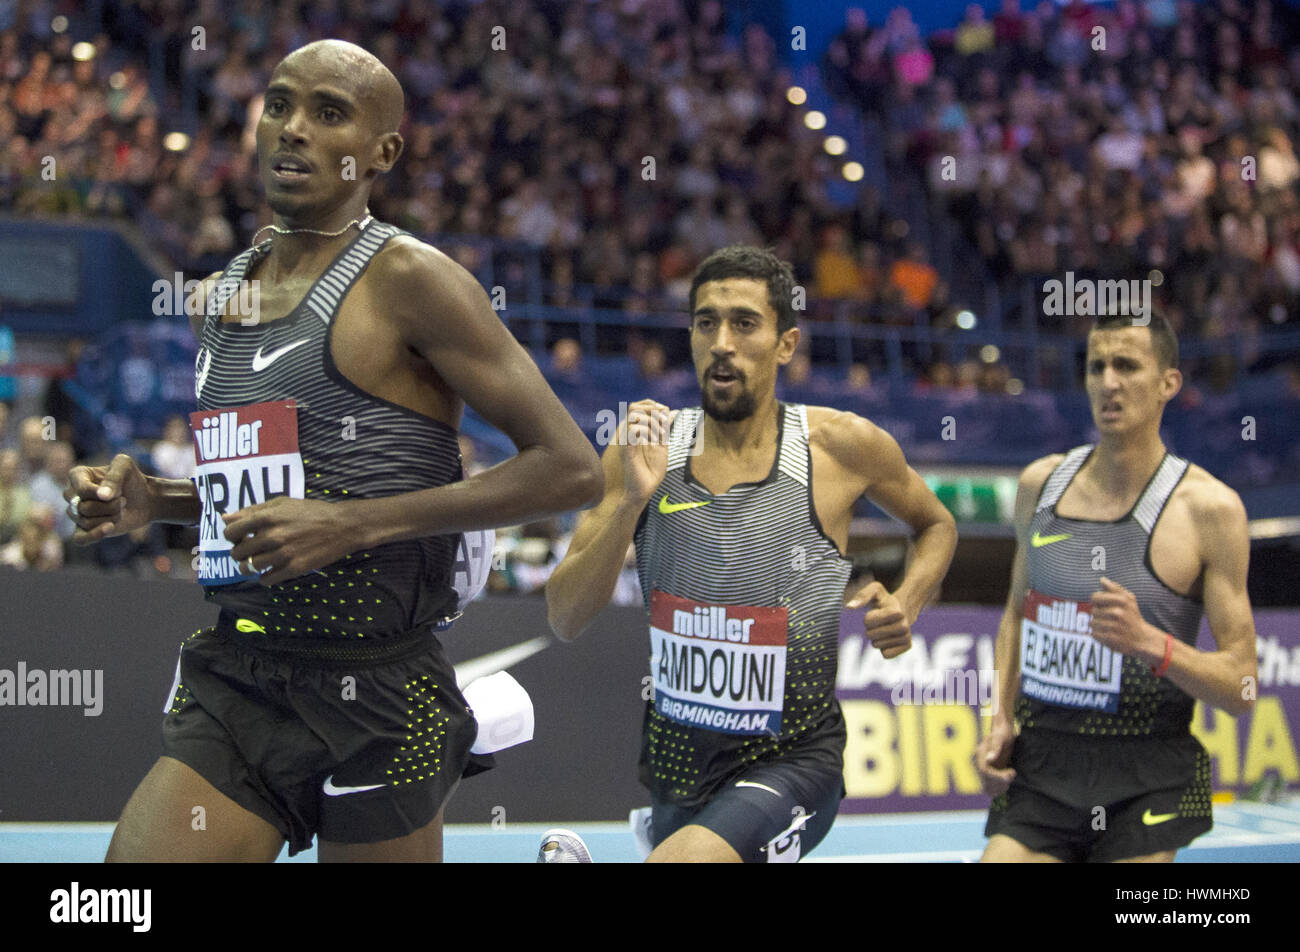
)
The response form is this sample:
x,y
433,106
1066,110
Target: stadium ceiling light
x,y
796,95
117,80
1156,277
853,171
815,120
59,24
1015,386
966,320
989,353
176,142
835,145
81,52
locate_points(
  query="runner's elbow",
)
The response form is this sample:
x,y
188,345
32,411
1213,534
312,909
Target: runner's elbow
x,y
562,623
584,481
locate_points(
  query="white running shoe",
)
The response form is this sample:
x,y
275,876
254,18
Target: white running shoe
x,y
562,846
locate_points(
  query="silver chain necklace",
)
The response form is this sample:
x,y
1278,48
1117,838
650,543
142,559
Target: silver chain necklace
x,y
361,224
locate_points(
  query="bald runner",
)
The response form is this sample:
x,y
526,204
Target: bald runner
x,y
338,533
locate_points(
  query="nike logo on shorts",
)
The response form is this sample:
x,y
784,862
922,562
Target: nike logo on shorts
x,y
262,362
1151,819
333,791
761,786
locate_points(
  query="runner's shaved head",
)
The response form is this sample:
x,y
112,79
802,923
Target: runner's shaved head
x,y
377,91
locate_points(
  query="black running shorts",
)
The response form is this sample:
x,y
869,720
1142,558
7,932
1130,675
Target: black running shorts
x,y
358,742
1082,799
771,813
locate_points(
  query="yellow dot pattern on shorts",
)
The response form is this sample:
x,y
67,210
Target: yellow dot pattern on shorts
x,y
420,756
1196,800
183,695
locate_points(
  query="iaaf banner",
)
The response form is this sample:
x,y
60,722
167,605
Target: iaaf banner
x,y
914,721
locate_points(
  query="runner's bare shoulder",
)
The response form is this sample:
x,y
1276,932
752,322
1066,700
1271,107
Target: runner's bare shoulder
x,y
407,273
849,439
1033,476
1208,499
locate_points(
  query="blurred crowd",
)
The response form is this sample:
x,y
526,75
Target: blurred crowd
x,y
36,456
1127,141
1104,140
617,143
541,142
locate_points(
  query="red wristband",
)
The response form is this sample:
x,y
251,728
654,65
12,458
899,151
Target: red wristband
x,y
1169,656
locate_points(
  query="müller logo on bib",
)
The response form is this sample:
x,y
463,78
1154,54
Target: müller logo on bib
x,y
719,667
1060,662
246,456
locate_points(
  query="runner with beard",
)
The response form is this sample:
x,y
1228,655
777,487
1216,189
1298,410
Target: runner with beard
x,y
740,511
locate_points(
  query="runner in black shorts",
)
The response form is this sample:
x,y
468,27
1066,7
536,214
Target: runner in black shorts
x,y
337,534
1122,546
343,716
1080,801
740,512
775,813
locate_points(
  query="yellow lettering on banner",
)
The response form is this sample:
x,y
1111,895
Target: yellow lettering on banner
x,y
1220,742
870,762
928,749
909,748
1269,745
950,748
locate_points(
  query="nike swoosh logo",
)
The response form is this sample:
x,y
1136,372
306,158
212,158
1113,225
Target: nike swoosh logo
x,y
667,508
201,373
1151,819
761,786
1040,540
261,363
333,791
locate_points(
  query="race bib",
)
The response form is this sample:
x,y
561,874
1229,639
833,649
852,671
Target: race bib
x,y
719,667
1060,662
245,456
